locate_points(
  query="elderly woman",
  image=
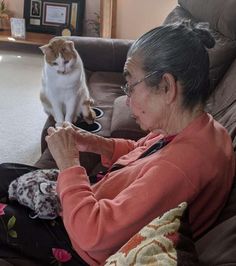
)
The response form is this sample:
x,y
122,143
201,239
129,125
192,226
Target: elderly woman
x,y
187,156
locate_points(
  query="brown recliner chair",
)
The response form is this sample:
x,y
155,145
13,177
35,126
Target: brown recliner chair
x,y
104,60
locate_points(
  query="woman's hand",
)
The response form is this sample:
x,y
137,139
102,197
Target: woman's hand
x,y
62,145
85,140
89,142
66,142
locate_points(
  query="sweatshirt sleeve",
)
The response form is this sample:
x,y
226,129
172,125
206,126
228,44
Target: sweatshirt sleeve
x,y
121,147
101,225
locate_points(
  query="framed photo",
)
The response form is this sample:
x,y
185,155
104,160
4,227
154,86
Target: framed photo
x,y
35,8
17,27
54,16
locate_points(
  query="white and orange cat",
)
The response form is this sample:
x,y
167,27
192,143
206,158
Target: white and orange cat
x,y
64,93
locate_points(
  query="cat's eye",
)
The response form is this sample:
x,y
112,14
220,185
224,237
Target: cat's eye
x,y
54,63
66,62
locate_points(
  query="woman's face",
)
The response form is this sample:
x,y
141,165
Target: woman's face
x,y
147,104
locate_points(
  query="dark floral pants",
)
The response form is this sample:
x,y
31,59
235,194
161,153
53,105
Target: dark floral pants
x,y
44,241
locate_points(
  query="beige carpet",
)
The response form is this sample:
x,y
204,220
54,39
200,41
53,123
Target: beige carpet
x,y
21,114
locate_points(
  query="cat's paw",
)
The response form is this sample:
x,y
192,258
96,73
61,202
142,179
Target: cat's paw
x,y
58,124
90,118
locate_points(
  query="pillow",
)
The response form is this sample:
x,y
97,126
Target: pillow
x,y
164,241
37,190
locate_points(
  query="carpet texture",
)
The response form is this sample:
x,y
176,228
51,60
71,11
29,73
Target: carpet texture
x,y
21,113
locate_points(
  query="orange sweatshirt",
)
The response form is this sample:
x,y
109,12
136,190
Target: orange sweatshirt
x,y
197,166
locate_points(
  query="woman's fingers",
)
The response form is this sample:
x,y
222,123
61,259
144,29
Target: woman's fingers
x,y
51,130
68,124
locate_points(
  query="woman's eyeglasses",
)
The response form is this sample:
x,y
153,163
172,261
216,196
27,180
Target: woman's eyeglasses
x,y
127,89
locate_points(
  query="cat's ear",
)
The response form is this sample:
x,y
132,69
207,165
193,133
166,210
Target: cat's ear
x,y
70,44
44,48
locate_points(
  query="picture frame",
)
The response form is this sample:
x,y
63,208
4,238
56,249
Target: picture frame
x,y
54,16
35,8
17,28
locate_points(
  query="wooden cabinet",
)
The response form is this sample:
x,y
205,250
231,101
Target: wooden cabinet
x,y
32,38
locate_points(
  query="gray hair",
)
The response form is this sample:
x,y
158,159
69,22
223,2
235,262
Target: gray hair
x,y
178,49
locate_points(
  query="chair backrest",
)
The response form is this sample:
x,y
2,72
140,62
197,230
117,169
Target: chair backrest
x,y
220,14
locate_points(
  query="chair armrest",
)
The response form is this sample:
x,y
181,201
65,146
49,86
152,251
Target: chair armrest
x,y
101,54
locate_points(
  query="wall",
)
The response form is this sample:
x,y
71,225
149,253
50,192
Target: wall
x,y
16,7
92,6
17,10
135,17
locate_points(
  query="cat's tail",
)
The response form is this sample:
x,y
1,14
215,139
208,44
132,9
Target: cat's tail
x,y
88,113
